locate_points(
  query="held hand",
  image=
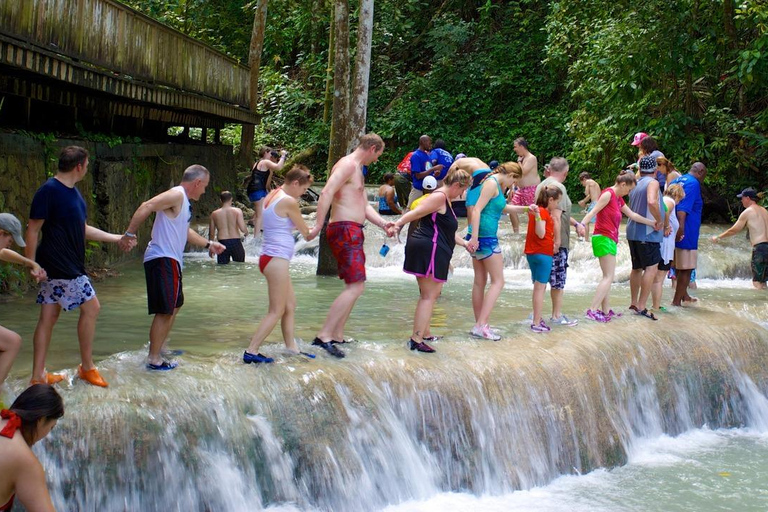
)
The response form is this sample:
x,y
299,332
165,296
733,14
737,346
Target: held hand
x,y
126,243
657,226
216,248
715,239
680,234
668,231
310,236
580,230
315,231
390,228
534,208
38,273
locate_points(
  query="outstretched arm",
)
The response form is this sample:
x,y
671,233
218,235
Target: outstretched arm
x,y
13,257
602,202
164,201
339,175
92,233
636,216
194,238
738,226
294,213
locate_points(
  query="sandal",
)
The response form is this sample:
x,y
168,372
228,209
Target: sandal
x,y
647,314
634,308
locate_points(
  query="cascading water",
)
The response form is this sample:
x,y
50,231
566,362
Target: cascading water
x,y
385,427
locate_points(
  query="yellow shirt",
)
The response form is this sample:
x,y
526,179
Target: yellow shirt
x,y
416,202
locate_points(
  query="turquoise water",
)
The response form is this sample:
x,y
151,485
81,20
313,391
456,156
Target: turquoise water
x,y
236,437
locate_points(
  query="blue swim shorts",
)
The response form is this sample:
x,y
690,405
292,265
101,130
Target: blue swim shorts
x,y
541,267
486,247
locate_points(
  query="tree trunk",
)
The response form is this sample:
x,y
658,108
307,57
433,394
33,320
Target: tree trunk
x,y
329,72
340,114
326,263
254,61
359,102
729,24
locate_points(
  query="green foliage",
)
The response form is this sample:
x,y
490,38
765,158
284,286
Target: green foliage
x,y
13,279
574,78
50,149
700,92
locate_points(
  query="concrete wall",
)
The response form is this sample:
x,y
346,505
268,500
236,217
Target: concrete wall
x,y
120,178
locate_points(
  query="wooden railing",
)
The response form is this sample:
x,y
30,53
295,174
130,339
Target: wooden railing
x,y
110,35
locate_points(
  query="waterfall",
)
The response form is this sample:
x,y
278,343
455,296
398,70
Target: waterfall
x,y
385,426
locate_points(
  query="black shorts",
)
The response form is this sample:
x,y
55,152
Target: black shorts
x,y
665,266
644,254
234,249
164,289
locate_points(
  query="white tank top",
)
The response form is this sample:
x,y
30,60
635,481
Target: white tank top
x,y
278,232
169,236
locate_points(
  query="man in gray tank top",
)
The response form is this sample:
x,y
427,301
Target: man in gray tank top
x,y
644,241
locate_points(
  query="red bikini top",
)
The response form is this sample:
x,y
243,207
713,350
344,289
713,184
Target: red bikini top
x,y
14,423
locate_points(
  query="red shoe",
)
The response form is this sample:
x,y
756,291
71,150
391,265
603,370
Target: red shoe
x,y
91,376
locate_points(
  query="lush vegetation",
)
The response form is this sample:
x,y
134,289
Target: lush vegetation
x,y
574,78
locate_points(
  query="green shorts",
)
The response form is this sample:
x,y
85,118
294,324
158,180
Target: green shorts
x,y
602,245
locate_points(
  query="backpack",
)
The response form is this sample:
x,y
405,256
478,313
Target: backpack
x,y
404,167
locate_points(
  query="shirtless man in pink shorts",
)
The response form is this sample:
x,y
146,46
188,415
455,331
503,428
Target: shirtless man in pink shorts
x,y
526,186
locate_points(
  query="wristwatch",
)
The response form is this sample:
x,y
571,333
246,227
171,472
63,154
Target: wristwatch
x,y
130,235
208,245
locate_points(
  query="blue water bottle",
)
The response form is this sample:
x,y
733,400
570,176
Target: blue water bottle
x,y
384,249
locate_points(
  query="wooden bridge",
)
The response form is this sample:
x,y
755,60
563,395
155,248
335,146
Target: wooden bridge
x,y
110,68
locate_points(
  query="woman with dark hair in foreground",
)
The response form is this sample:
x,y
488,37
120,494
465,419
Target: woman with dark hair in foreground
x,y
31,417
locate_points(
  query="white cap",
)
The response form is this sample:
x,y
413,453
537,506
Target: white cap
x,y
429,183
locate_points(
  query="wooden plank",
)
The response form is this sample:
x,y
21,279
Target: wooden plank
x,y
111,35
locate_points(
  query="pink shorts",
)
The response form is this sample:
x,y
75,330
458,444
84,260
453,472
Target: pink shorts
x,y
524,196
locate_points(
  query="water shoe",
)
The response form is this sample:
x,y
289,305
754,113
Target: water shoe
x,y
162,367
329,346
421,347
249,358
48,378
91,376
563,320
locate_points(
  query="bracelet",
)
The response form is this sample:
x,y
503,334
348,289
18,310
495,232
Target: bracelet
x,y
129,235
208,245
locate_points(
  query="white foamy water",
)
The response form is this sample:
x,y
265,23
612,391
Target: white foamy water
x,y
699,470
